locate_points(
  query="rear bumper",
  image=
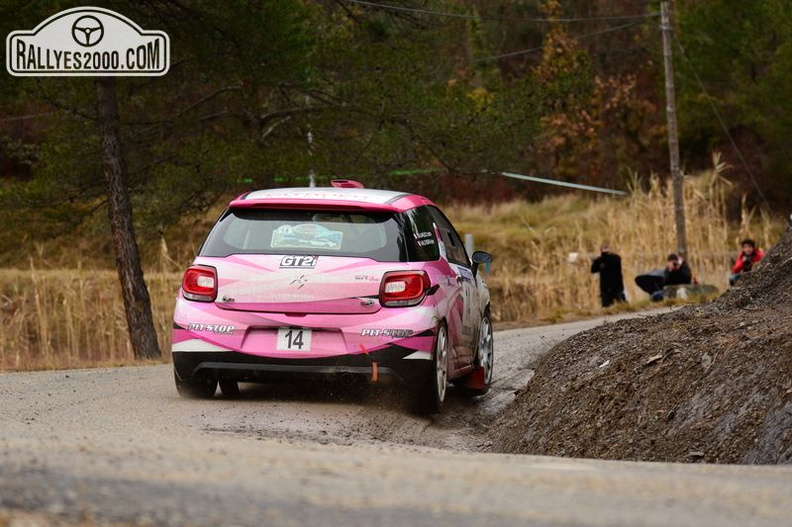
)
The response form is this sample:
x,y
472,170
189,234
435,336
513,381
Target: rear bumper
x,y
387,365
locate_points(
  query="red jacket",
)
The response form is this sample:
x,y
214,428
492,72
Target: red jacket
x,y
743,265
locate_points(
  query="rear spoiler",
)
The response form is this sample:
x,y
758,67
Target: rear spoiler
x,y
309,204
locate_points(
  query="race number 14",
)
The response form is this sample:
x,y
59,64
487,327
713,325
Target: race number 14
x,y
294,339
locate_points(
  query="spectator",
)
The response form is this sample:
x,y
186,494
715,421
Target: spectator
x,y
676,272
748,256
608,265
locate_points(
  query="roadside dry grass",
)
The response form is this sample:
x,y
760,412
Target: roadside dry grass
x,y
73,316
542,252
66,318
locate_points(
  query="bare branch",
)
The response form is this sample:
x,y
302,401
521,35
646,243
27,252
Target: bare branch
x,y
288,112
272,128
217,115
153,164
347,11
24,117
208,98
192,106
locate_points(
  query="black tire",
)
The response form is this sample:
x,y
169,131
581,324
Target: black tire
x,y
485,358
430,395
229,389
195,388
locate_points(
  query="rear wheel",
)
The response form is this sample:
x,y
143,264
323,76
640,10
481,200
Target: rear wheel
x,y
196,388
430,396
479,380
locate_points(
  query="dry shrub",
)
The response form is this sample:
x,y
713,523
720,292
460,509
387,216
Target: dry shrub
x,y
69,318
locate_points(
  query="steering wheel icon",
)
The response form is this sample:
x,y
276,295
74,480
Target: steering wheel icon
x,y
87,31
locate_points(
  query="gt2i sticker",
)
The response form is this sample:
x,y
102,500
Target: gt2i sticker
x,y
212,328
298,262
393,333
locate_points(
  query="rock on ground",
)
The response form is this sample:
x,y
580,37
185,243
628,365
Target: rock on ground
x,y
709,383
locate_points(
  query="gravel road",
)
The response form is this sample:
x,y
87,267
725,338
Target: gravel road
x,y
119,447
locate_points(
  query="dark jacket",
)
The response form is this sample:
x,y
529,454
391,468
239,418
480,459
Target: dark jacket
x,y
745,262
608,265
679,276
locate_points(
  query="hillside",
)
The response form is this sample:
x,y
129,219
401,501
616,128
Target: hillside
x,y
710,383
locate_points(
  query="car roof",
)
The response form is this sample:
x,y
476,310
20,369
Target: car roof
x,y
330,198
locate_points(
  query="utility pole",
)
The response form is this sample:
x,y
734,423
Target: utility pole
x,y
311,173
309,138
673,141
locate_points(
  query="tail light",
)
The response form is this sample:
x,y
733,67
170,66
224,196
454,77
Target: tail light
x,y
399,289
200,283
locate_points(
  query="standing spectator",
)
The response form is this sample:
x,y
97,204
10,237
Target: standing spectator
x,y
608,265
746,259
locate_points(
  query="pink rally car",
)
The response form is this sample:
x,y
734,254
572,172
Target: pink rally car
x,y
334,282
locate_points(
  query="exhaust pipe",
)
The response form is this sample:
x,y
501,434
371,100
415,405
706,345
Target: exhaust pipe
x,y
347,380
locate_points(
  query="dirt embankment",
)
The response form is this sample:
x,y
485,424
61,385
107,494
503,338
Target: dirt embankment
x,y
709,383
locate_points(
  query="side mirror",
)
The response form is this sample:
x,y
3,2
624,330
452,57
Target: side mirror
x,y
480,257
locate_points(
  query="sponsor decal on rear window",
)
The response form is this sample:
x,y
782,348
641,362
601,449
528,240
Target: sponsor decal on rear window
x,y
306,235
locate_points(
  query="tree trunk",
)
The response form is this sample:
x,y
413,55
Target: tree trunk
x,y
137,303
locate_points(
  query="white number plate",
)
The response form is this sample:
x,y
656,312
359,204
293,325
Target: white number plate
x,y
294,339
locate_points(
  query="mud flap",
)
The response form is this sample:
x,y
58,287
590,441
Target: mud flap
x,y
475,379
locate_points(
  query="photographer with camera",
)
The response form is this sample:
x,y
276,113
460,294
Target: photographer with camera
x,y
609,267
677,271
748,256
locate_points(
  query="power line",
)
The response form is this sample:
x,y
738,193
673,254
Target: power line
x,y
581,37
720,120
496,18
563,183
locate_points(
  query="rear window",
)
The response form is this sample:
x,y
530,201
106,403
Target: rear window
x,y
263,231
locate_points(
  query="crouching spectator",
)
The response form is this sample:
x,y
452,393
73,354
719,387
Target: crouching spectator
x,y
676,272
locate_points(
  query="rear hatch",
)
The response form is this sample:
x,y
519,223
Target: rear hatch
x,y
298,284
